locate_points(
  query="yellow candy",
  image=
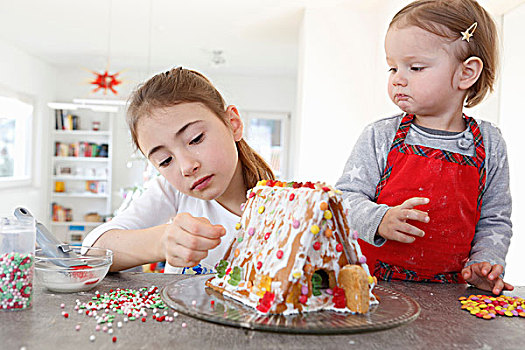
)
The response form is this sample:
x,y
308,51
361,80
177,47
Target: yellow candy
x,y
508,313
327,214
314,229
483,306
238,226
263,182
370,280
297,274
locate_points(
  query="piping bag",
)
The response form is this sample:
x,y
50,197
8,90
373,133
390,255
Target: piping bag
x,y
52,246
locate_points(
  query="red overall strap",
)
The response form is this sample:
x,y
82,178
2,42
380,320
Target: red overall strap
x,y
454,183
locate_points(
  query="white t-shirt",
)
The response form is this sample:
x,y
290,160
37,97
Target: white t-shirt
x,y
157,205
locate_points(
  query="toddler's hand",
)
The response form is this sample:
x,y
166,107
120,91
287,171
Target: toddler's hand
x,y
188,239
394,225
485,276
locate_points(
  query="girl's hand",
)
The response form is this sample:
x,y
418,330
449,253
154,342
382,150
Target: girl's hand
x,y
188,239
394,225
485,276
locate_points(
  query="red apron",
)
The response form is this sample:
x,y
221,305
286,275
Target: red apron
x,y
454,183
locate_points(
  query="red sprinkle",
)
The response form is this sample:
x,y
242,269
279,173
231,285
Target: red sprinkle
x,y
143,319
292,196
66,315
259,265
279,254
317,245
339,247
326,189
114,339
212,302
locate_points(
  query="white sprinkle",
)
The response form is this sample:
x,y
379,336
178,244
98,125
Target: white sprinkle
x,y
92,338
194,302
110,324
119,324
125,319
175,314
165,312
110,331
77,327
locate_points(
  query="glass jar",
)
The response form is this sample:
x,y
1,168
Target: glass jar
x,y
17,255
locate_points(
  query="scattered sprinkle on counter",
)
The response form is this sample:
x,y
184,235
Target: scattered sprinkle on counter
x,y
488,307
123,304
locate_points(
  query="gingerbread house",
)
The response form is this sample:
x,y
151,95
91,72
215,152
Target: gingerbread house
x,y
294,252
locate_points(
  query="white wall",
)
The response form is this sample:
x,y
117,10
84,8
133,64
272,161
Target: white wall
x,y
248,93
33,78
512,124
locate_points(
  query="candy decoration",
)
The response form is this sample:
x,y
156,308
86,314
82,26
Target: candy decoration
x,y
323,206
292,196
261,209
279,254
314,229
266,302
221,268
328,233
339,247
238,226
488,307
235,276
267,235
316,284
251,231
295,223
328,214
339,298
317,245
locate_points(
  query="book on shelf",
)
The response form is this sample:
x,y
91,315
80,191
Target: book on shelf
x,y
60,213
81,149
65,121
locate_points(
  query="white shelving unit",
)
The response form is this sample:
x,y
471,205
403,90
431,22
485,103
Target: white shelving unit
x,y
86,180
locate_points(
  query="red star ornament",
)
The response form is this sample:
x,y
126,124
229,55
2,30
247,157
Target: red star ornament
x,y
106,82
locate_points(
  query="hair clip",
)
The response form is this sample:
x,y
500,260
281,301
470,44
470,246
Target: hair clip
x,y
467,34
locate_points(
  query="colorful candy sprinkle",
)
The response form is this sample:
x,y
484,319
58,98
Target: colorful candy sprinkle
x,y
16,280
488,307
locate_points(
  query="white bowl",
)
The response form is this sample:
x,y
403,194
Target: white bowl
x,y
82,273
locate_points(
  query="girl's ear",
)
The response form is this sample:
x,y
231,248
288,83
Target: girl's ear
x,y
471,69
235,122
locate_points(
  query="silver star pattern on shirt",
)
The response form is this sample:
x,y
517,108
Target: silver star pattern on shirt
x,y
354,173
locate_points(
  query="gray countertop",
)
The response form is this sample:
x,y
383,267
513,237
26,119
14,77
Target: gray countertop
x,y
440,325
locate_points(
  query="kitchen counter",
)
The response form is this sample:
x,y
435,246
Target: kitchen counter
x,y
440,325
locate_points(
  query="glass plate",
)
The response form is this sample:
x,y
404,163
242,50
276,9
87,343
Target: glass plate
x,y
191,297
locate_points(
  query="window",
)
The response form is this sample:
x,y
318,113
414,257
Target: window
x,y
15,140
267,133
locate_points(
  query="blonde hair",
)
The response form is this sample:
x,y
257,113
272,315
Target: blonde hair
x,y
180,85
448,18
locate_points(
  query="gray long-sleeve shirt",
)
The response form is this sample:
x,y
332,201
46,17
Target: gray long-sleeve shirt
x,y
365,165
